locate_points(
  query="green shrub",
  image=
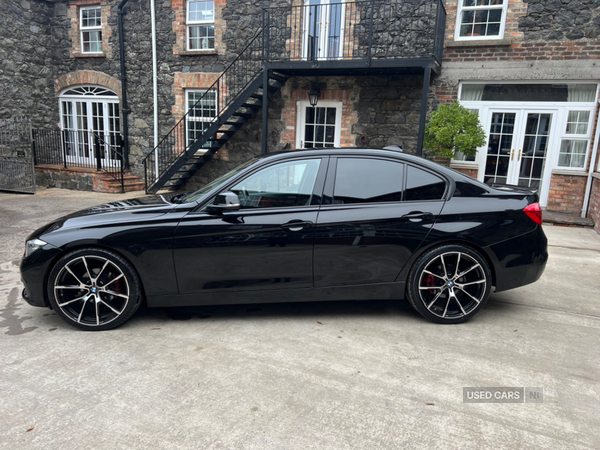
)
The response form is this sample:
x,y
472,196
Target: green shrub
x,y
452,129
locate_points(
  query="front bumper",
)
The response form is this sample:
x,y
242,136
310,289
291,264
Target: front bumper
x,y
34,270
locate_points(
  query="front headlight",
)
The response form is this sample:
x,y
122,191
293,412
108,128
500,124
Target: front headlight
x,y
33,245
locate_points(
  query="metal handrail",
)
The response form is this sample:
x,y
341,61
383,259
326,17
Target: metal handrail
x,y
216,84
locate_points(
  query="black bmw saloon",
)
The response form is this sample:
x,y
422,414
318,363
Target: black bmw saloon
x,y
307,225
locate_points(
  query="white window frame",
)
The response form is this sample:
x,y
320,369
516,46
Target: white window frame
x,y
576,137
197,23
87,29
301,120
197,119
459,12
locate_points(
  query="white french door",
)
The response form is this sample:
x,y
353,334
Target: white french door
x,y
323,36
518,148
87,123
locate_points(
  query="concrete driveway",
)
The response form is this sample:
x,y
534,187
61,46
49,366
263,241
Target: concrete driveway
x,y
348,375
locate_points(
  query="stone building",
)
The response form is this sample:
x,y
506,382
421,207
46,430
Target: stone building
x,y
530,70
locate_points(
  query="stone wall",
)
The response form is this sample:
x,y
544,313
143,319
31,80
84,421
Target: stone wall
x,y
551,20
26,61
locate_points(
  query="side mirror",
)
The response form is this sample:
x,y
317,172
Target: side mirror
x,y
225,201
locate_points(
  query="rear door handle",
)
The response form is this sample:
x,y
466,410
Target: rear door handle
x,y
296,225
417,216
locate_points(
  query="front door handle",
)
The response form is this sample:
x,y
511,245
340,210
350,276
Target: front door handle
x,y
296,225
417,216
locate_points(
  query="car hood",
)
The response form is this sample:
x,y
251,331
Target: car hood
x,y
115,212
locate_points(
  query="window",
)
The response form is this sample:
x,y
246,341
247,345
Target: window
x,y
319,127
281,185
422,185
202,108
575,142
201,24
362,180
481,19
90,25
546,92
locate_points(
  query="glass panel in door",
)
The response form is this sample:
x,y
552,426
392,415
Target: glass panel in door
x,y
500,144
323,29
532,156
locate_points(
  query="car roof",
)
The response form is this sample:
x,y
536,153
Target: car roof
x,y
355,151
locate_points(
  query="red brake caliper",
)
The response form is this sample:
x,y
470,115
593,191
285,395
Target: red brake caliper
x,y
429,281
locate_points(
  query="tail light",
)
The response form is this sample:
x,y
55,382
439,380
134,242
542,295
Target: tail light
x,y
534,212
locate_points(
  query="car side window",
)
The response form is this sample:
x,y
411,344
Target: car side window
x,y
367,180
281,185
423,185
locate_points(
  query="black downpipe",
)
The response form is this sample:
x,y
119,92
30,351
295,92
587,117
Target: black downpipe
x,y
124,108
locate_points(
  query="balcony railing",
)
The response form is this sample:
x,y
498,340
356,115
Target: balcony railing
x,y
350,31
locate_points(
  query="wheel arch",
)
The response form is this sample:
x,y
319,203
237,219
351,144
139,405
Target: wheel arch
x,y
89,245
489,259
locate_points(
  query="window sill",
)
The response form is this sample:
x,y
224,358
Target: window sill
x,y
479,43
463,165
577,173
89,55
197,52
596,175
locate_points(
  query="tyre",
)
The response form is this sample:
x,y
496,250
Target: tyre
x,y
94,289
449,284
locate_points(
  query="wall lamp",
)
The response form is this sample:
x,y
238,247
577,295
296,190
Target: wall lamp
x,y
313,97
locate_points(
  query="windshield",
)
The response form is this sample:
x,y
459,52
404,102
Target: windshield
x,y
196,195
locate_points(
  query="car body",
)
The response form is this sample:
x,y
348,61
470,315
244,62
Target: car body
x,y
307,225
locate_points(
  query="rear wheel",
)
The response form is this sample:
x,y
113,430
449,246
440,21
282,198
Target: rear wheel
x,y
449,284
94,289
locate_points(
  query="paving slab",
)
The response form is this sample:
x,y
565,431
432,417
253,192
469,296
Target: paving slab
x,y
344,375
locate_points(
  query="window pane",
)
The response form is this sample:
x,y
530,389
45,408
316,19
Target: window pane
x,y
201,11
359,180
577,122
572,153
282,185
91,17
422,185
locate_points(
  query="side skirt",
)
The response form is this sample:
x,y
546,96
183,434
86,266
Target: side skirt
x,y
381,291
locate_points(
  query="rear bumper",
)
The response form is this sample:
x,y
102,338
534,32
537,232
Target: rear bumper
x,y
519,261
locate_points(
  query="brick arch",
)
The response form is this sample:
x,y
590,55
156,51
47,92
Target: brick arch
x,y
82,77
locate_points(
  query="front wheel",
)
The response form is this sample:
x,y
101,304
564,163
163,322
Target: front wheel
x,y
449,284
94,289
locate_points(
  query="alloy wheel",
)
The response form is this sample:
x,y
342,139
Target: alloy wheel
x,y
452,285
91,290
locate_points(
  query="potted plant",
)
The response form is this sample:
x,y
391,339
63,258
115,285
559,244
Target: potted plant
x,y
452,129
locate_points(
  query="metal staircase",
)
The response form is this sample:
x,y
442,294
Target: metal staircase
x,y
233,99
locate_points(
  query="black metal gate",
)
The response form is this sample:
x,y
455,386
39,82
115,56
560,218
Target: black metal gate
x,y
17,173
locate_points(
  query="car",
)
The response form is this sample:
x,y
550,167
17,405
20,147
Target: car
x,y
304,225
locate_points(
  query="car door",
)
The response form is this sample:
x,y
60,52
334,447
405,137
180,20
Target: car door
x,y
267,244
375,214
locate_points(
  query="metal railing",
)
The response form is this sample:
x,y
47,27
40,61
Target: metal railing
x,y
206,111
361,30
344,31
84,149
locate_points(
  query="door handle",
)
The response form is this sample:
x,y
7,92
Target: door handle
x,y
296,225
520,154
417,216
512,154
